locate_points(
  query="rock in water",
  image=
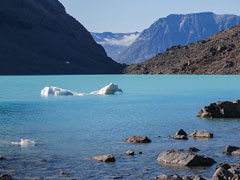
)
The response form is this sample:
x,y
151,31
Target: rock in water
x,y
137,139
5,177
201,135
176,157
221,109
104,158
168,177
43,39
181,132
130,153
193,149
232,150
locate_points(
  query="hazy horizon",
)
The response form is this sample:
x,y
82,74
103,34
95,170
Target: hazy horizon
x,y
136,15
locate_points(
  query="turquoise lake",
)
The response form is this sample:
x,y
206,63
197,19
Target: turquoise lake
x,y
69,130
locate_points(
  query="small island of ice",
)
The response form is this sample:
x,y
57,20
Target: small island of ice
x,y
109,89
56,91
25,142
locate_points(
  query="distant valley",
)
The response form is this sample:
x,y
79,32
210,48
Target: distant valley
x,y
115,43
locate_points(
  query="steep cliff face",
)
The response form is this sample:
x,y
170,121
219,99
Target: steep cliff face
x,y
218,54
175,30
39,37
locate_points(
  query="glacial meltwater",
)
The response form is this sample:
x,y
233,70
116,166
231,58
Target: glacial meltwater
x,y
67,131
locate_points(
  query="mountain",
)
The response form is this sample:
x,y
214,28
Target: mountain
x,y
39,37
115,43
218,54
175,30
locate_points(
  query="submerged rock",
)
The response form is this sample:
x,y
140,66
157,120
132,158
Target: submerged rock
x,y
193,149
168,177
137,139
177,177
201,135
130,153
221,109
64,173
104,158
176,157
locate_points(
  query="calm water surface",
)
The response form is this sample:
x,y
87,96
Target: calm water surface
x,y
70,130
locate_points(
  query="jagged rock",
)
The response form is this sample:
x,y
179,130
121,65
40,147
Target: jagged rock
x,y
104,158
138,139
237,165
176,157
130,153
193,149
232,150
225,166
201,135
168,177
221,109
181,132
180,135
222,174
5,177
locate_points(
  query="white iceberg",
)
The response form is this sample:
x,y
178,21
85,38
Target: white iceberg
x,y
56,91
25,142
109,89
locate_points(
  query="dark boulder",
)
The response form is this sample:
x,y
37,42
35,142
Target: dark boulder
x,y
221,109
232,150
104,158
5,177
180,135
181,132
137,139
176,157
225,166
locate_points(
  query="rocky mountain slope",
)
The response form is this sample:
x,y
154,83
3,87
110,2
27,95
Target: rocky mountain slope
x,y
175,30
218,54
39,37
115,43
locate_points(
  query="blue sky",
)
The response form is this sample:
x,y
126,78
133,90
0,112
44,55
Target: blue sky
x,y
136,15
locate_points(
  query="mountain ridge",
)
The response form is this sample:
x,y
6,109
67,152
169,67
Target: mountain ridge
x,y
175,29
218,54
